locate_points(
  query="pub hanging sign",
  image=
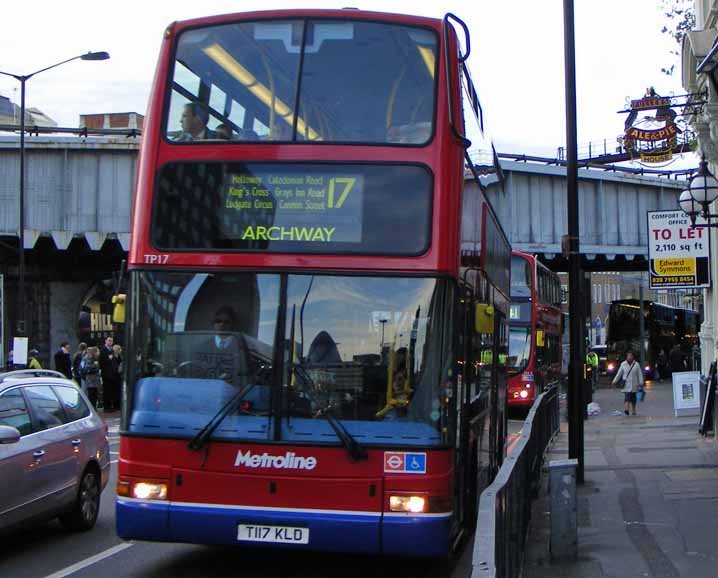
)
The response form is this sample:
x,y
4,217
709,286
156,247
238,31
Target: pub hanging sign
x,y
652,138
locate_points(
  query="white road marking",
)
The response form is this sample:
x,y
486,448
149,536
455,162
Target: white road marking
x,y
114,453
90,561
113,461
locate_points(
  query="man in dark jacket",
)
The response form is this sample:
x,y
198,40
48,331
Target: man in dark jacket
x,y
676,359
63,363
107,371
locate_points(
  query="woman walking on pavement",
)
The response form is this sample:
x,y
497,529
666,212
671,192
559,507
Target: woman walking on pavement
x,y
631,377
90,372
77,365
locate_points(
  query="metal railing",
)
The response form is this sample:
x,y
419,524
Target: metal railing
x,y
505,506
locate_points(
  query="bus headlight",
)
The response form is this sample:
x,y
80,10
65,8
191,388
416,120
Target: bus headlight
x,y
413,504
524,394
142,490
149,491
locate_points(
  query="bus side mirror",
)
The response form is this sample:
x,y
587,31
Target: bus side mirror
x,y
118,311
484,318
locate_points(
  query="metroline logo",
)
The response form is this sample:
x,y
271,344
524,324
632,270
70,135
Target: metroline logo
x,y
289,461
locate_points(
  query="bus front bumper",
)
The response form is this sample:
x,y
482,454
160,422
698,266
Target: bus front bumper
x,y
329,530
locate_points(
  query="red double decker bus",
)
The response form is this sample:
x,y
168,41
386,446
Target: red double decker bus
x,y
535,330
304,339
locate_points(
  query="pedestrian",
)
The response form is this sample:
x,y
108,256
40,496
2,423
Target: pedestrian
x,y
90,372
676,359
63,362
32,361
662,364
630,376
77,363
106,370
113,385
592,361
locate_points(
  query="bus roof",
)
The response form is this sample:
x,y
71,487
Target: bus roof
x,y
344,13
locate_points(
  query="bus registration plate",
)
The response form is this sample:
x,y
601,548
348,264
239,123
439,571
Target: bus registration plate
x,y
283,534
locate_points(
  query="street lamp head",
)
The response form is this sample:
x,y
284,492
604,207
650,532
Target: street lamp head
x,y
95,56
689,206
686,202
703,186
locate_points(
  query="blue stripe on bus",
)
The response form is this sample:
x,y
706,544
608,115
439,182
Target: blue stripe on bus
x,y
339,532
416,535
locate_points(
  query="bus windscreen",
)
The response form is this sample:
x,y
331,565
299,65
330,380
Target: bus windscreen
x,y
291,207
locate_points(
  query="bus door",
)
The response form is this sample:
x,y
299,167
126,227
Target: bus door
x,y
473,442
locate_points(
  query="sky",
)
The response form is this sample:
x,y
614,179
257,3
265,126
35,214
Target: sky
x,y
516,58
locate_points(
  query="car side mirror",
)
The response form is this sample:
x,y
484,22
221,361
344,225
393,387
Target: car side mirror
x,y
9,435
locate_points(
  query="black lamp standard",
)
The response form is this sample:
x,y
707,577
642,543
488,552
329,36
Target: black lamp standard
x,y
696,199
21,329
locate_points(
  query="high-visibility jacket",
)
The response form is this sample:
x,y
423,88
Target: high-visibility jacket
x,y
592,358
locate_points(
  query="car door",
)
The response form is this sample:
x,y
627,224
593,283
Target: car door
x,y
19,486
82,433
58,463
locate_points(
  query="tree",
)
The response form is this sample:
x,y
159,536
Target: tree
x,y
680,19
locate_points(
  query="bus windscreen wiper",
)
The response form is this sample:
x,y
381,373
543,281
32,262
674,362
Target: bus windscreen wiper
x,y
356,450
204,434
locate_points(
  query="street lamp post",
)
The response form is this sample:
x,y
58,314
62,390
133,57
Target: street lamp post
x,y
21,328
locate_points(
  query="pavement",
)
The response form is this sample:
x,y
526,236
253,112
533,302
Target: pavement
x,y
648,506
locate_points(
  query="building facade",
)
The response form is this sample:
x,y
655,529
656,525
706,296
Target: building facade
x,y
699,49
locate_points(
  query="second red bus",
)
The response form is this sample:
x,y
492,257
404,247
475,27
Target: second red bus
x,y
534,362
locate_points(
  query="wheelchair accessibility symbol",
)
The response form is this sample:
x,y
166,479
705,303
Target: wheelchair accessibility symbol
x,y
416,463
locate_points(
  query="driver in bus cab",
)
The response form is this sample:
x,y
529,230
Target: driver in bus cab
x,y
225,324
221,356
194,124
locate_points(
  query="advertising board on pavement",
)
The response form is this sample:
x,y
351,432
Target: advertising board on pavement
x,y
686,393
678,253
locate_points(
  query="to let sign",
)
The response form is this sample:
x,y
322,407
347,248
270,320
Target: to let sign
x,y
679,254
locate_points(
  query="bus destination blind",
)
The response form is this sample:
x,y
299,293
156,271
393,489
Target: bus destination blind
x,y
294,206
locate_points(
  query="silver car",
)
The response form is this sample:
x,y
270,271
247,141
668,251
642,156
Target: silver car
x,y
54,451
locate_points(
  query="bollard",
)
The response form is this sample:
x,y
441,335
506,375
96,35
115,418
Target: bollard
x,y
564,528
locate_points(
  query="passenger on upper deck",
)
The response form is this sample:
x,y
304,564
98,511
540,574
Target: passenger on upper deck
x,y
280,131
226,131
194,124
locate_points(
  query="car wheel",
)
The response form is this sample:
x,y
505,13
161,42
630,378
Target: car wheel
x,y
83,515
